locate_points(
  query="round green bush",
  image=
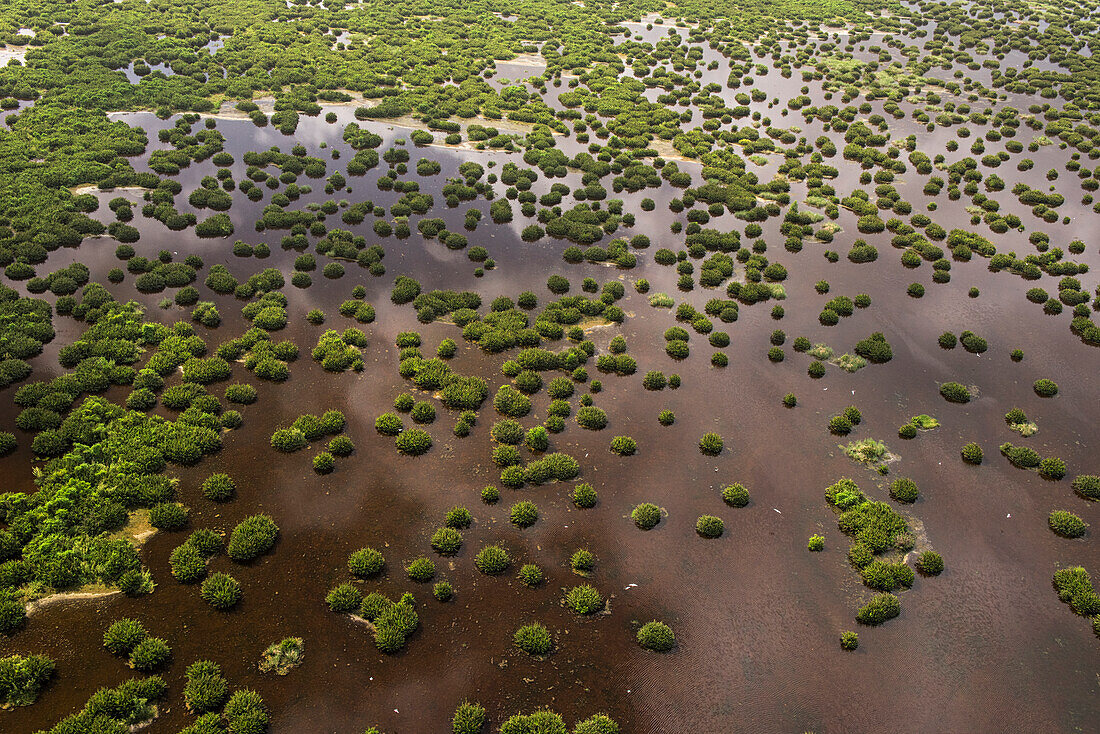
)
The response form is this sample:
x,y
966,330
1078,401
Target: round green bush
x,y
711,444
904,489
366,562
253,537
530,575
624,446
584,496
492,560
1045,388
1066,524
523,514
490,495
469,718
389,424
421,569
592,418
443,591
735,495
930,563
709,526
790,400
646,515
849,640
150,654
288,440
972,453
954,392
666,418
1052,468
816,370
423,412
656,636
459,517
907,431
840,425
533,639
413,442
324,463
123,635
584,599
221,591
344,598
341,446
188,565
446,541
816,543
507,431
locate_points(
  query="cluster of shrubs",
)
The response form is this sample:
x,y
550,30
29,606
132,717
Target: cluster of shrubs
x,y
337,352
128,637
392,622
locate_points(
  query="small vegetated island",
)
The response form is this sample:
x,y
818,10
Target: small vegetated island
x,y
366,328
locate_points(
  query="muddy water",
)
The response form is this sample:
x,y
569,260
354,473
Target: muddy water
x,y
756,616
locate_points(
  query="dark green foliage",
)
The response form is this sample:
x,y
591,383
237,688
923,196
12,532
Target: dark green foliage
x,y
123,635
21,678
955,393
168,516
150,654
523,514
1074,587
366,562
469,718
972,453
624,446
446,541
1045,388
904,489
849,640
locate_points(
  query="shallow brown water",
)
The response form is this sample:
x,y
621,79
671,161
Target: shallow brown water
x,y
756,616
